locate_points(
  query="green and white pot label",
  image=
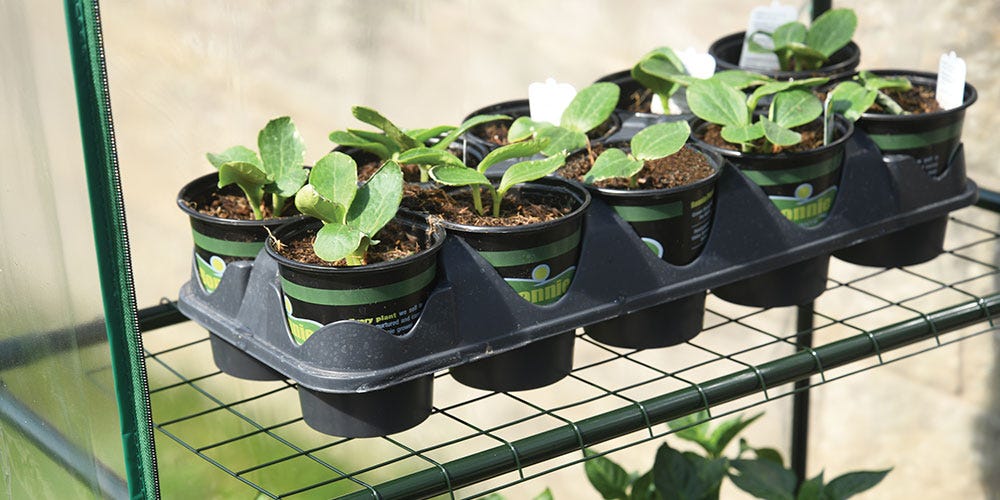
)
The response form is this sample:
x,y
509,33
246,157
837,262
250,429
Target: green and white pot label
x,y
542,274
805,208
213,255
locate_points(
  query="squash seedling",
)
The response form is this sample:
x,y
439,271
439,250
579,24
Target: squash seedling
x,y
591,107
352,216
651,143
663,72
799,48
407,147
277,171
852,98
725,105
525,171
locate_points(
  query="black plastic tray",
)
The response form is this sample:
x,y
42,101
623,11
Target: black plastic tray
x,y
616,274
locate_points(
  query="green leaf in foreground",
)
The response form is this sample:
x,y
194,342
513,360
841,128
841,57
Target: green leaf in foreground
x,y
743,134
511,151
374,118
249,178
524,127
313,204
336,241
832,30
235,153
527,171
660,140
718,103
282,154
852,483
779,135
794,108
763,479
425,134
607,477
377,200
561,140
613,163
811,489
850,99
591,107
335,177
458,176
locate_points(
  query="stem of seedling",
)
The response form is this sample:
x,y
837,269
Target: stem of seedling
x,y
633,182
277,204
497,198
590,152
424,175
477,200
357,258
889,104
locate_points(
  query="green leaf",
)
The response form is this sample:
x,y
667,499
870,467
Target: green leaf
x,y
335,177
643,488
675,477
850,99
727,430
656,69
743,134
379,137
806,57
715,102
313,204
524,127
763,479
591,107
607,477
832,30
561,140
428,156
527,171
775,87
875,82
544,495
423,135
789,33
465,127
740,79
377,200
710,473
769,454
852,483
778,135
282,153
613,163
660,140
347,139
235,153
458,176
811,489
375,119
511,151
249,178
694,428
795,107
756,46
336,241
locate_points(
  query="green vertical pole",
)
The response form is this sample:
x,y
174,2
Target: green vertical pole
x,y
110,235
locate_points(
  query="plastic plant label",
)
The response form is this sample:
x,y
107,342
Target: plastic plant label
x,y
950,91
765,19
547,101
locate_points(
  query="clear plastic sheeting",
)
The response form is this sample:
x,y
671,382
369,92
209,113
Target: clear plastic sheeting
x,y
59,426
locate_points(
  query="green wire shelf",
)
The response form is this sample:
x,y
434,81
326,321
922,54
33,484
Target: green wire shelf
x,y
478,442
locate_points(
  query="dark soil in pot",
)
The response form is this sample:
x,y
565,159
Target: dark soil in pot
x,y
929,138
494,134
671,210
223,226
534,247
841,65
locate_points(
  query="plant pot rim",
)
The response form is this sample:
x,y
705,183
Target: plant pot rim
x,y
852,61
183,197
438,237
713,159
616,120
846,125
547,183
971,95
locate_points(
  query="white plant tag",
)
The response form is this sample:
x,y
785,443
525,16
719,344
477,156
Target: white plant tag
x,y
698,64
547,101
765,19
950,91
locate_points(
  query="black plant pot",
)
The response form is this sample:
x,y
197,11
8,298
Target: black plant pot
x,y
803,187
518,108
538,261
219,242
388,295
841,65
925,141
674,223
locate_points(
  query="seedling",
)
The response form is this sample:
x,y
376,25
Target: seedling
x,y
853,98
407,147
663,72
651,143
590,108
277,171
799,48
352,216
725,105
525,171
